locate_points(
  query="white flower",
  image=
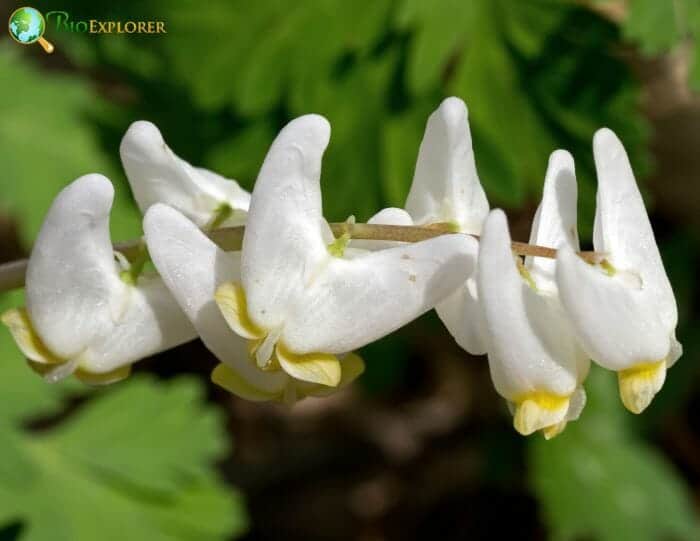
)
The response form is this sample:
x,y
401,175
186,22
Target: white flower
x,y
446,190
299,307
624,311
535,361
446,186
157,175
193,266
81,316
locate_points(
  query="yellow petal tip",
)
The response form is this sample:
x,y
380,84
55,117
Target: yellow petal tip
x,y
231,300
638,385
321,368
553,431
20,326
103,378
537,411
227,378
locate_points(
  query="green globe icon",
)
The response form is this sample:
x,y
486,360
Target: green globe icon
x,y
27,26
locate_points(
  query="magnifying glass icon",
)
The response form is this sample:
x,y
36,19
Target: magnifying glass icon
x,y
27,26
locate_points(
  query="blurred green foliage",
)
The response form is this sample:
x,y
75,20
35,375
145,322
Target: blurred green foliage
x,y
47,141
376,69
536,75
132,462
599,480
658,27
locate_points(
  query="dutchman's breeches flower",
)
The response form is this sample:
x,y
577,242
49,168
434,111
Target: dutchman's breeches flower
x,y
624,311
298,302
535,361
87,313
446,190
157,175
286,312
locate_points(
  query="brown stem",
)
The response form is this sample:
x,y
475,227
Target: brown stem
x,y
12,274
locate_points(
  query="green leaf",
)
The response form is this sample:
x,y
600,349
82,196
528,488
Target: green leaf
x,y
375,69
439,36
658,27
402,135
24,394
170,446
351,178
598,480
653,25
239,157
47,141
133,463
141,449
230,54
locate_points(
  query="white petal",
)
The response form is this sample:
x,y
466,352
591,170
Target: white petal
x,y
73,291
622,228
192,267
225,190
157,175
152,322
354,302
554,225
531,347
387,216
446,186
576,404
283,247
462,315
391,216
78,305
675,353
617,324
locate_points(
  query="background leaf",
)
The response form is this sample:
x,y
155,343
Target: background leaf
x,y
37,162
428,449
599,480
141,451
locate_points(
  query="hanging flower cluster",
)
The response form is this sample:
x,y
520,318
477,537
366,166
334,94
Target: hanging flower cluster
x,y
285,313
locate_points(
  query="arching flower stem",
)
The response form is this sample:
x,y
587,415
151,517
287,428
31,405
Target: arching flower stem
x,y
231,238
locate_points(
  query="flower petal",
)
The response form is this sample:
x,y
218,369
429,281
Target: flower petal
x,y
225,191
622,228
446,186
192,267
576,403
531,346
461,314
231,300
80,308
74,292
157,175
391,216
18,322
321,368
554,225
231,380
616,323
105,378
352,366
152,322
283,246
639,385
354,302
537,411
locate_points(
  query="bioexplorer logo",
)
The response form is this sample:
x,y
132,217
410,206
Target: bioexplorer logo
x,y
63,22
27,25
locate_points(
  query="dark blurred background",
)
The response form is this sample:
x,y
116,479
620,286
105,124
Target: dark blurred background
x,y
422,446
